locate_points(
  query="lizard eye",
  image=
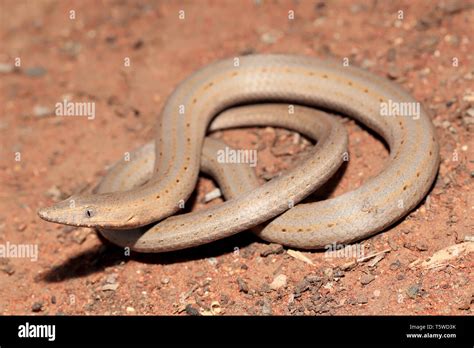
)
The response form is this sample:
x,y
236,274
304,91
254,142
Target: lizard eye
x,y
89,213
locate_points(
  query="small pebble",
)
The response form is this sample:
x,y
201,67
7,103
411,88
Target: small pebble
x,y
338,273
265,288
212,261
272,249
109,287
328,272
190,310
165,280
243,286
224,299
421,246
301,287
395,265
393,72
111,279
366,279
361,299
278,282
37,307
413,290
7,268
267,307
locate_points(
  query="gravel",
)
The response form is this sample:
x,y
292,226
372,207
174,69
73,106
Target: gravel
x,y
37,307
395,265
413,290
309,282
243,286
278,282
267,307
190,310
272,249
366,279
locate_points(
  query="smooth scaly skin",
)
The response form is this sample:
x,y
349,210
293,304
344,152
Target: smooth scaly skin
x,y
356,93
237,181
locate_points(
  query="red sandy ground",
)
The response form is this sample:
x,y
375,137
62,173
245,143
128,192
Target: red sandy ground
x,y
84,59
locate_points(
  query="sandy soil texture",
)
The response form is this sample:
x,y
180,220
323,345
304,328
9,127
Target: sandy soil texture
x,y
48,54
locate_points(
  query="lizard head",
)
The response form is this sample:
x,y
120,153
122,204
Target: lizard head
x,y
86,211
